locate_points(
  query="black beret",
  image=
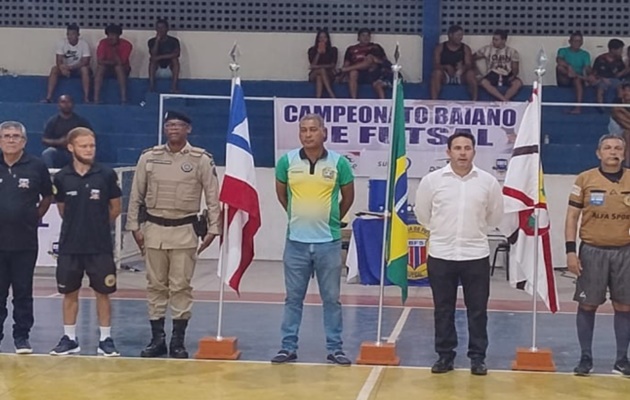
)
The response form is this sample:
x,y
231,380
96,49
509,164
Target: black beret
x,y
176,115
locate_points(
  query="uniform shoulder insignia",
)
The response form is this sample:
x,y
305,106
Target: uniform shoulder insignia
x,y
196,151
159,149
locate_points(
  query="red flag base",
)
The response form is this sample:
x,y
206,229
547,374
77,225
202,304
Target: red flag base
x,y
373,353
534,360
212,348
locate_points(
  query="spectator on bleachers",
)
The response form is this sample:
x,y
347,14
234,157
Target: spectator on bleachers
x,y
620,118
56,154
322,58
366,63
502,63
573,68
112,55
72,59
164,50
453,64
609,68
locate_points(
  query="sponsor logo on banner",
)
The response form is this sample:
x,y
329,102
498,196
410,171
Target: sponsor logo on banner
x,y
418,252
359,130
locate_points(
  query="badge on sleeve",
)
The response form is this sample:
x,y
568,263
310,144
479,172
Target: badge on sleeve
x,y
626,200
597,198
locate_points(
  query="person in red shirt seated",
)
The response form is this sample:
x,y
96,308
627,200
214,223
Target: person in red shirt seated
x,y
112,56
366,63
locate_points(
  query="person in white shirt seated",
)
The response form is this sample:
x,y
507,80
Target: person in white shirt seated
x,y
459,204
72,60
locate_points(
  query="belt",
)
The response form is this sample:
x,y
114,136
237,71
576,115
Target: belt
x,y
171,222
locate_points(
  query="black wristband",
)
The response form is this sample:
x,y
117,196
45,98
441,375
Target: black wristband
x,y
570,247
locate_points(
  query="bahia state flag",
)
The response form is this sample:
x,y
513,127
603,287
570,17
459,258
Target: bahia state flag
x,y
523,193
396,239
238,194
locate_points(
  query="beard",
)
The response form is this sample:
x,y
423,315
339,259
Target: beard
x,y
84,161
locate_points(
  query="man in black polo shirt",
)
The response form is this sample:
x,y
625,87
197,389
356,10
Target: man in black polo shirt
x,y
164,50
25,195
56,154
88,198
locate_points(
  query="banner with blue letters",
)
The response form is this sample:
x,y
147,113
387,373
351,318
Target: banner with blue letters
x,y
359,129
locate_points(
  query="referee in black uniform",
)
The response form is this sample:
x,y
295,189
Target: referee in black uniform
x,y
25,195
88,198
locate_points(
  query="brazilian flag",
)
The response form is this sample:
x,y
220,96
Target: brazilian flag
x,y
396,241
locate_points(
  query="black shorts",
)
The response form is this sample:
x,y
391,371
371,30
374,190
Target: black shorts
x,y
493,78
100,268
603,269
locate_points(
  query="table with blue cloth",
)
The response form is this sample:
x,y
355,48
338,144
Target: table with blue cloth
x,y
366,246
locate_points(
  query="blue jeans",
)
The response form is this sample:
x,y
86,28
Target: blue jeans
x,y
300,261
55,157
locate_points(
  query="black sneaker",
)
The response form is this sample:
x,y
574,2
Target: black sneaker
x,y
107,348
442,365
622,367
22,346
66,347
339,358
478,367
585,366
284,356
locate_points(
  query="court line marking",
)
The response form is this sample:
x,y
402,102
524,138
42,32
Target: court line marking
x,y
370,383
266,302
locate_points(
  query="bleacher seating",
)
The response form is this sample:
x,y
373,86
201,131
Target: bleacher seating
x,y
124,130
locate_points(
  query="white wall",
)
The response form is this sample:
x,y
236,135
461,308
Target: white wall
x,y
271,236
205,55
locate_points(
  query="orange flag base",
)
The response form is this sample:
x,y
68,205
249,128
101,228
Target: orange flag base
x,y
534,360
212,348
373,353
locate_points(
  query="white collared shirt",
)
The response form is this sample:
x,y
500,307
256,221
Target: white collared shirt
x,y
458,211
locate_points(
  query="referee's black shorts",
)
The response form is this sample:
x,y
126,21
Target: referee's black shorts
x,y
100,268
603,269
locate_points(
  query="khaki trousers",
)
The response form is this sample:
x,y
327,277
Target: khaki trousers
x,y
169,273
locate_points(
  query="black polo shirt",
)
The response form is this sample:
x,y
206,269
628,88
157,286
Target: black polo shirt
x,y
86,228
58,127
21,188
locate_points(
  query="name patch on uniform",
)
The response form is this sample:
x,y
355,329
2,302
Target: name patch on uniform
x,y
24,183
597,199
71,193
187,167
156,161
95,194
576,190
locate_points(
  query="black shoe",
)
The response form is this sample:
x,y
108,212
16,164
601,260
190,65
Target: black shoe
x,y
157,346
284,356
585,366
176,347
107,348
622,367
22,346
340,358
478,367
66,347
442,365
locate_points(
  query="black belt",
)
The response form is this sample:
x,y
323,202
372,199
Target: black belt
x,y
171,222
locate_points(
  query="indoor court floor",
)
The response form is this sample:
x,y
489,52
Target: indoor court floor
x,y
255,319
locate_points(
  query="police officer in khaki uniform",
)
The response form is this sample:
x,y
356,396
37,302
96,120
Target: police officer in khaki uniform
x,y
168,184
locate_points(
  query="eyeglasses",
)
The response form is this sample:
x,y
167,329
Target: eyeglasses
x,y
16,137
175,124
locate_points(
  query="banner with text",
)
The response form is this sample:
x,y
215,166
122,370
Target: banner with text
x,y
359,130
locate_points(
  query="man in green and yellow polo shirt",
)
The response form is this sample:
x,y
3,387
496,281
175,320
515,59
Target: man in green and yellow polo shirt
x,y
315,186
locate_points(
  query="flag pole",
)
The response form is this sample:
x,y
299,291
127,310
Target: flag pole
x,y
220,348
386,212
380,352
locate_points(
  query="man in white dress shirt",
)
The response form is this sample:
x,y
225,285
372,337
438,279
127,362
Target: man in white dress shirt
x,y
459,204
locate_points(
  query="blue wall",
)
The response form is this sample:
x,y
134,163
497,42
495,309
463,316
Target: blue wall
x,y
123,131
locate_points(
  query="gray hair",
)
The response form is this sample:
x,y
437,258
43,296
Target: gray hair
x,y
13,125
608,136
314,117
